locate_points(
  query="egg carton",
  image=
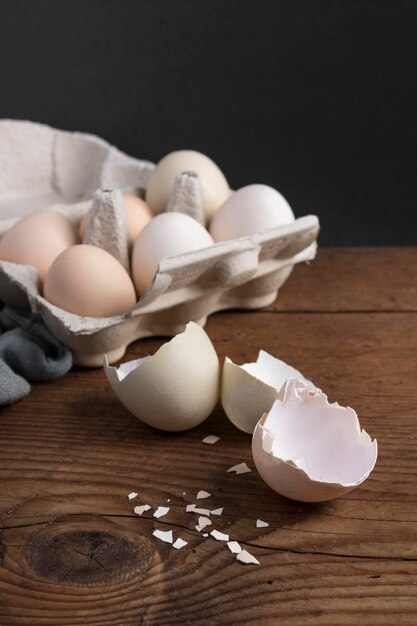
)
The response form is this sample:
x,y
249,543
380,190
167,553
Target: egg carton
x,y
242,273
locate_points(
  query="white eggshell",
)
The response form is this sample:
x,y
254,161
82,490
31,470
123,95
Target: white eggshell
x,y
214,184
167,235
310,450
250,210
175,389
248,391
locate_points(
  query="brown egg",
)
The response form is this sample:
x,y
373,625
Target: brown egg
x,y
138,214
89,281
37,239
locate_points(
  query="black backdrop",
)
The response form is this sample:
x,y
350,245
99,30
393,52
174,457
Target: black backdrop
x,y
317,98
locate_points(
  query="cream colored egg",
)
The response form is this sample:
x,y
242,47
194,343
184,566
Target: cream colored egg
x,y
89,281
250,210
167,235
138,214
214,184
37,239
307,449
175,389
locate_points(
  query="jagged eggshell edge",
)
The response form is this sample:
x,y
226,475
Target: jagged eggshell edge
x,y
244,396
291,481
176,388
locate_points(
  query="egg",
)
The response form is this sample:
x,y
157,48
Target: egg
x,y
167,235
309,450
37,239
249,390
214,184
250,210
89,281
138,214
176,388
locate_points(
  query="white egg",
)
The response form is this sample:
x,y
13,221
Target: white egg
x,y
214,185
309,450
175,389
166,235
250,210
248,391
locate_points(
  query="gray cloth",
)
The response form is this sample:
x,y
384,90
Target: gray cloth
x,y
28,353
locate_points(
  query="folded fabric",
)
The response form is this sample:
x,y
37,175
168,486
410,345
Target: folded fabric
x,y
28,353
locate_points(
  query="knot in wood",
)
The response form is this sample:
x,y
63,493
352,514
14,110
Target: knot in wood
x,y
88,558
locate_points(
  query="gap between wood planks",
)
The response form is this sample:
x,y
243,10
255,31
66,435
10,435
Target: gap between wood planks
x,y
242,542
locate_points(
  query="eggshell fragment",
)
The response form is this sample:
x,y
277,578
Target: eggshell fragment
x,y
248,391
163,535
175,389
241,468
310,450
179,543
219,536
246,557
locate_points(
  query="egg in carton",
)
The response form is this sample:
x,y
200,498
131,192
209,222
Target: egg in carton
x,y
241,273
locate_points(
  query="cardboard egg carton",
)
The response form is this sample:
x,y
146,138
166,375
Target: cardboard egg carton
x,y
243,273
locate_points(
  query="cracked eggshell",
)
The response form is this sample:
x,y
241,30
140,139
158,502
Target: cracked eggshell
x,y
249,390
310,450
175,389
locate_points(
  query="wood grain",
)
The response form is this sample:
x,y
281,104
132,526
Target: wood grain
x,y
73,553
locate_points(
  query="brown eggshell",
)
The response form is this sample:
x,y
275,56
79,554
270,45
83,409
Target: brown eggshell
x,y
89,281
38,239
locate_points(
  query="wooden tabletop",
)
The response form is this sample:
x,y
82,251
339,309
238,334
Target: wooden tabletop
x,y
72,552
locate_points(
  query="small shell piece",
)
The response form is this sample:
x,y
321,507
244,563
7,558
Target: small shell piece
x,y
310,450
175,389
248,391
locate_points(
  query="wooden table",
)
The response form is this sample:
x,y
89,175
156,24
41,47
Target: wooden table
x,y
73,553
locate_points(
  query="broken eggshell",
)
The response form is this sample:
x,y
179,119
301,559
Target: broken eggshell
x,y
175,389
310,450
249,390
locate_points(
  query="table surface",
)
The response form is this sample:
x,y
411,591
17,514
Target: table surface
x,y
72,552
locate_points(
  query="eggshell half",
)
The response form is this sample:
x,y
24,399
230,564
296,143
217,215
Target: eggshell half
x,y
250,390
310,450
175,389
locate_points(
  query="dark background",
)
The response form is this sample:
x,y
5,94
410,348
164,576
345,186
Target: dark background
x,y
317,98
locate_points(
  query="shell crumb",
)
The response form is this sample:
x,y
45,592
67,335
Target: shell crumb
x,y
241,468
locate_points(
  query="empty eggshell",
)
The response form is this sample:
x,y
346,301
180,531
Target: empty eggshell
x,y
250,210
175,389
310,450
37,239
138,214
248,391
89,281
167,235
214,184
